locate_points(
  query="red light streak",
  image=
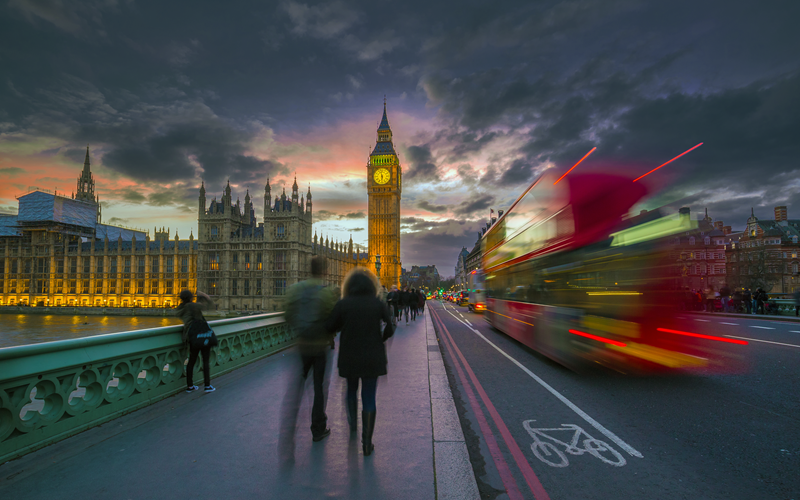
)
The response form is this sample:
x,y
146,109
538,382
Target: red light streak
x,y
699,335
570,170
650,172
595,337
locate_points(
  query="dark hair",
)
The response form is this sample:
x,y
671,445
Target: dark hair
x,y
360,282
318,266
186,296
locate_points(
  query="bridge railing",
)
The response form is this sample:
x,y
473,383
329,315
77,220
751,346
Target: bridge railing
x,y
53,390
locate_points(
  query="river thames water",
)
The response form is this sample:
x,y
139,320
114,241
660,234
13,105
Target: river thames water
x,y
20,329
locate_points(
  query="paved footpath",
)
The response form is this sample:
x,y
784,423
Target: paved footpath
x,y
225,444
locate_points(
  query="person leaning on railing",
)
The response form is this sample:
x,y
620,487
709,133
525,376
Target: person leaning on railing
x,y
192,312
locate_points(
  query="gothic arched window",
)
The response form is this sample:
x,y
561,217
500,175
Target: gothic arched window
x,y
280,231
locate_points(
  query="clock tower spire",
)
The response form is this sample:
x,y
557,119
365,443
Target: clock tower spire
x,y
384,187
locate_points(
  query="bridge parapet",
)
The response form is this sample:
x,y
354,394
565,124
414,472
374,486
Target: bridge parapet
x,y
53,390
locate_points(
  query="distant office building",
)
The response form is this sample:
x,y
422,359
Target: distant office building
x,y
765,255
56,252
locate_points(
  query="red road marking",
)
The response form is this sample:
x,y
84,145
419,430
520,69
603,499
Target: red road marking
x,y
494,449
527,472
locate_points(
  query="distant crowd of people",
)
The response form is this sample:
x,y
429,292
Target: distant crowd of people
x,y
738,301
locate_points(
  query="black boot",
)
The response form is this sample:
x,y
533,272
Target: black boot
x,y
352,412
368,427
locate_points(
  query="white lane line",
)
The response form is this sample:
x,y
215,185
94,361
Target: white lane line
x,y
723,323
703,320
764,341
762,327
594,423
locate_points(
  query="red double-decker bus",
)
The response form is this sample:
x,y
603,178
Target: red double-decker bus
x,y
568,274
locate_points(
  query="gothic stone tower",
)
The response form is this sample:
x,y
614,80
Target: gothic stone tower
x,y
384,186
85,190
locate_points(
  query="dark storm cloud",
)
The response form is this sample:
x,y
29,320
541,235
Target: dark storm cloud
x,y
469,207
420,165
353,215
426,205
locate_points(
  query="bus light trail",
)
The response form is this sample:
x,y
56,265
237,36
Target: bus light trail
x,y
598,338
710,337
650,172
579,161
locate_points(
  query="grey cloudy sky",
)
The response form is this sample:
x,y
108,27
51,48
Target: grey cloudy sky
x,y
482,97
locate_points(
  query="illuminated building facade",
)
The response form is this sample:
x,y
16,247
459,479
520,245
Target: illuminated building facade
x,y
247,265
56,252
384,188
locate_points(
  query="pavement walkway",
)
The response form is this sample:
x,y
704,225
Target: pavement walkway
x,y
225,444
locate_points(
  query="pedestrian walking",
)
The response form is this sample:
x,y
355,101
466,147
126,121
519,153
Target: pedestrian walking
x,y
308,305
405,300
393,300
413,303
197,335
748,300
797,302
362,354
422,299
760,301
725,296
710,296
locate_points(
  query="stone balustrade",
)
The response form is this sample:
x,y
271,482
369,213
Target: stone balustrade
x,y
53,390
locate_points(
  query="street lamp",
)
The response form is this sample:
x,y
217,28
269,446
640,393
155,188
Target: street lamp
x,y
378,266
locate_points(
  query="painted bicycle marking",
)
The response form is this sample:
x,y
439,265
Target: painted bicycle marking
x,y
546,447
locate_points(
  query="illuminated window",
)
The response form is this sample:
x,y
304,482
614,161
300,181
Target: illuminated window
x,y
258,263
247,264
214,262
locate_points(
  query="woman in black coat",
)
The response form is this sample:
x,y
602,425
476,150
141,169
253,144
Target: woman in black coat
x,y
362,354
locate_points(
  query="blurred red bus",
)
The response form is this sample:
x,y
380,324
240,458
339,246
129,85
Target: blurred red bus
x,y
569,275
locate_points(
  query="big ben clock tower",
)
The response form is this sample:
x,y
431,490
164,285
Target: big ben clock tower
x,y
384,186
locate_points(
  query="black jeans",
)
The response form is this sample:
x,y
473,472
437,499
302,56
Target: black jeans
x,y
193,353
369,387
319,419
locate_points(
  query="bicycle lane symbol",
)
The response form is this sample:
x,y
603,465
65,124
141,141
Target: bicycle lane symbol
x,y
546,447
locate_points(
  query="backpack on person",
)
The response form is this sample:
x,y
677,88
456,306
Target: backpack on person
x,y
308,324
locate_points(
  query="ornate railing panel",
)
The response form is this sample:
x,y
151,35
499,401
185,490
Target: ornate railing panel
x,y
53,390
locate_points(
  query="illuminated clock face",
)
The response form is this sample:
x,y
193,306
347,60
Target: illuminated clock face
x,y
382,176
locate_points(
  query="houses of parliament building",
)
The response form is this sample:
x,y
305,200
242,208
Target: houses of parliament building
x,y
57,252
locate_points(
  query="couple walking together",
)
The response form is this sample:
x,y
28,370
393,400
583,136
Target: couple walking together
x,y
315,315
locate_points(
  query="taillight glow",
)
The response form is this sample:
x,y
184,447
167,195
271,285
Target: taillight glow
x,y
573,167
701,336
650,172
595,337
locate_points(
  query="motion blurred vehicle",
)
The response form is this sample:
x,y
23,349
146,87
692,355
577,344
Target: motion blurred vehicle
x,y
462,298
477,293
570,275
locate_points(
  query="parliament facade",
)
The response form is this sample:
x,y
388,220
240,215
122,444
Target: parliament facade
x,y
57,252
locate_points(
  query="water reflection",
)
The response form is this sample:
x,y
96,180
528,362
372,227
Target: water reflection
x,y
21,329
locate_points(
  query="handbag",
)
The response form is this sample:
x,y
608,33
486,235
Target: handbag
x,y
201,335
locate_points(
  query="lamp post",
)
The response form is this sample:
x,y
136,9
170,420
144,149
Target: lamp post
x,y
378,266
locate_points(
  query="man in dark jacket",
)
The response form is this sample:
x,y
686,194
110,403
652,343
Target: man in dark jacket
x,y
405,301
393,300
308,305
